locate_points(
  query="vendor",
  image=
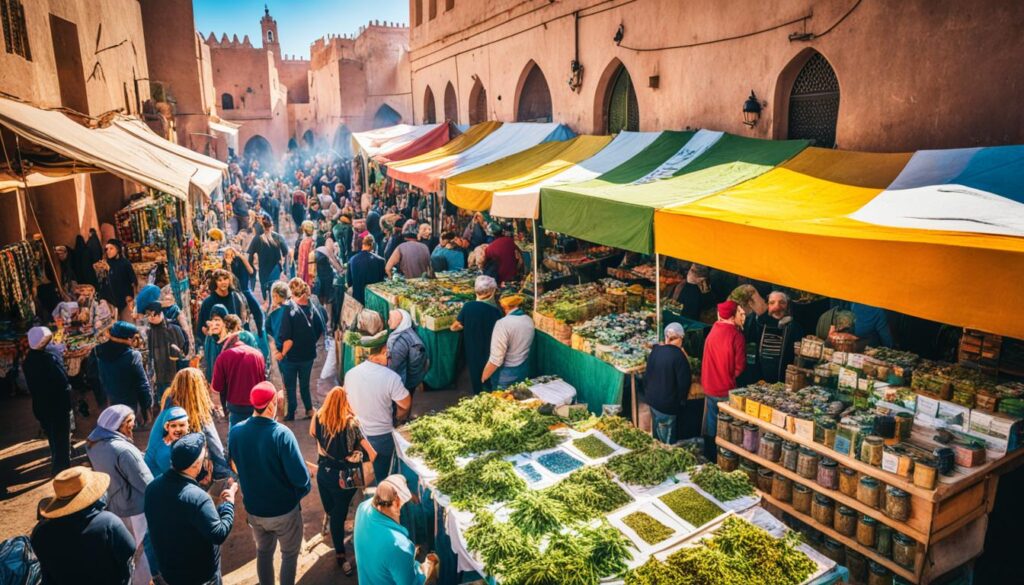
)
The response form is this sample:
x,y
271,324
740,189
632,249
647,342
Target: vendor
x,y
755,309
776,333
120,284
502,257
412,258
694,293
723,361
477,318
510,345
447,256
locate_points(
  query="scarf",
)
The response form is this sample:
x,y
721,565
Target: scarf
x,y
405,324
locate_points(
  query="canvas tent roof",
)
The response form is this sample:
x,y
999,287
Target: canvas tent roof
x,y
373,142
209,171
415,170
435,138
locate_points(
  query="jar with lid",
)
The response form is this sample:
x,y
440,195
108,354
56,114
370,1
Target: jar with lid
x,y
822,509
782,488
846,521
751,437
764,479
926,473
848,481
897,504
722,426
868,491
834,550
883,540
789,455
802,498
866,528
736,432
904,425
828,473
878,574
747,466
871,450
770,447
904,550
857,564
827,430
807,463
727,460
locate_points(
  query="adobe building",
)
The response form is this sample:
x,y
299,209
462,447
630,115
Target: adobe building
x,y
361,82
874,76
85,57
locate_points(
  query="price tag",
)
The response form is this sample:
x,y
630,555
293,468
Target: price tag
x,y
848,378
779,418
855,360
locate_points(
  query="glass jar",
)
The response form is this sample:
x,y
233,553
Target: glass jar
x,y
878,574
926,473
868,490
748,467
751,437
897,504
807,463
846,521
828,473
834,550
883,540
727,460
848,481
764,479
782,488
822,509
770,447
871,449
904,425
789,455
828,432
736,432
722,426
866,528
857,565
802,498
904,550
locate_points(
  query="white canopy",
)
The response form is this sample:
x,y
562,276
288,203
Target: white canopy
x,y
209,171
373,142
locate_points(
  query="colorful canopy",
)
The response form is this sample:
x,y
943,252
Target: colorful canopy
x,y
435,138
505,141
473,189
523,200
617,208
795,225
415,170
376,141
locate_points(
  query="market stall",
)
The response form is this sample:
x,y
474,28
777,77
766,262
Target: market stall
x,y
431,140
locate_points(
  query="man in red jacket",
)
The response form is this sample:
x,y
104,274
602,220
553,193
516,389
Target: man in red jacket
x,y
238,368
725,356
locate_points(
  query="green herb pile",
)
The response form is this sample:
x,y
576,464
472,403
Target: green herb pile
x,y
537,513
619,430
689,505
588,493
482,481
593,447
722,485
651,465
737,554
647,528
477,425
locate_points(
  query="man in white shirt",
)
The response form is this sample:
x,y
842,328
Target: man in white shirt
x,y
372,387
510,345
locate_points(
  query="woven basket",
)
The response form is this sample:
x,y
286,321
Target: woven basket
x,y
562,331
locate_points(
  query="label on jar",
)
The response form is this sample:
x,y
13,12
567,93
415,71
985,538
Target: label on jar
x,y
890,462
848,378
779,418
805,429
841,445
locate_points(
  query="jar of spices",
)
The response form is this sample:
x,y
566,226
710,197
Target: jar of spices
x,y
926,473
834,550
751,437
857,565
828,473
897,504
747,466
871,450
868,490
736,432
764,479
848,481
727,460
828,432
846,521
789,455
904,425
904,550
802,498
822,509
878,574
722,426
883,540
770,447
782,488
866,528
807,463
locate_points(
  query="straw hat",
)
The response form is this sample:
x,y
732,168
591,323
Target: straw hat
x,y
76,489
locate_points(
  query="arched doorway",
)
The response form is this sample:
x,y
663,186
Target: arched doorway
x,y
258,147
343,141
227,102
308,138
533,100
621,111
451,104
814,102
386,116
429,112
292,144
477,103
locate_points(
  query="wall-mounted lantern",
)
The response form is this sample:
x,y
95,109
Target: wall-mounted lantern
x,y
751,110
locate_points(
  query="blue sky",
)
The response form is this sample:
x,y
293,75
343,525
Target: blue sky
x,y
299,22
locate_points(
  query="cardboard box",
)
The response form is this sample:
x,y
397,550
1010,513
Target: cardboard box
x,y
927,406
998,427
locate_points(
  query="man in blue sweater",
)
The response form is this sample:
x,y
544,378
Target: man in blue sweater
x,y
185,527
274,480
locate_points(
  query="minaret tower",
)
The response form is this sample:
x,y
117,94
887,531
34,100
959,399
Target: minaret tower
x,y
271,41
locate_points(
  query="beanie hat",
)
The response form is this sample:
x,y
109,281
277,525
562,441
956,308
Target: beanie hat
x,y
186,450
149,294
124,330
218,310
727,310
262,395
248,339
38,337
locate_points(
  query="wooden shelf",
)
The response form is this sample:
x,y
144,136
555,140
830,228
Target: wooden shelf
x,y
836,495
850,542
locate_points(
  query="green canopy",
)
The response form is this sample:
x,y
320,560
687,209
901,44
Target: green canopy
x,y
617,208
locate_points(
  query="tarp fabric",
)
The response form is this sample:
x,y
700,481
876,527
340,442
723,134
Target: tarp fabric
x,y
415,171
209,171
436,138
374,142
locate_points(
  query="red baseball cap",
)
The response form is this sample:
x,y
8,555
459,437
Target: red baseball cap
x,y
727,310
262,394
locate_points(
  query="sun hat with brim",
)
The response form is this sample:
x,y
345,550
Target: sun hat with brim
x,y
401,486
75,489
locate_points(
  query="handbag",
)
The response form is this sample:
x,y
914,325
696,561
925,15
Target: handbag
x,y
362,474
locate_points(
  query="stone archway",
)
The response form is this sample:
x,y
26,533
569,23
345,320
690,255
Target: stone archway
x,y
533,98
615,106
451,104
308,138
477,103
343,141
386,116
258,147
807,100
429,110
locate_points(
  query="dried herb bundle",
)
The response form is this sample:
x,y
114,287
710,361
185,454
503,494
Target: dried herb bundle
x,y
588,493
724,486
482,481
688,504
647,528
652,465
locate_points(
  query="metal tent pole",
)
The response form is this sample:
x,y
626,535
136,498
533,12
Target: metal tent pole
x,y
657,291
533,257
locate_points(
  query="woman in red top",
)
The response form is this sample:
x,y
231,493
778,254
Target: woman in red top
x,y
725,356
504,255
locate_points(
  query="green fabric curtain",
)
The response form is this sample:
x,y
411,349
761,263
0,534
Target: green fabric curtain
x,y
597,383
377,303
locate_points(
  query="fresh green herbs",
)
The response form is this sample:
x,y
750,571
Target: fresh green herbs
x,y
652,465
537,513
588,493
722,485
619,430
592,446
482,481
688,504
647,528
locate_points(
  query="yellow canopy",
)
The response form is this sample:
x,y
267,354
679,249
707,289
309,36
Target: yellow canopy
x,y
475,189
790,226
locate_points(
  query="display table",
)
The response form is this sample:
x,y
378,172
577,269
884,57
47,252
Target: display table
x,y
597,382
